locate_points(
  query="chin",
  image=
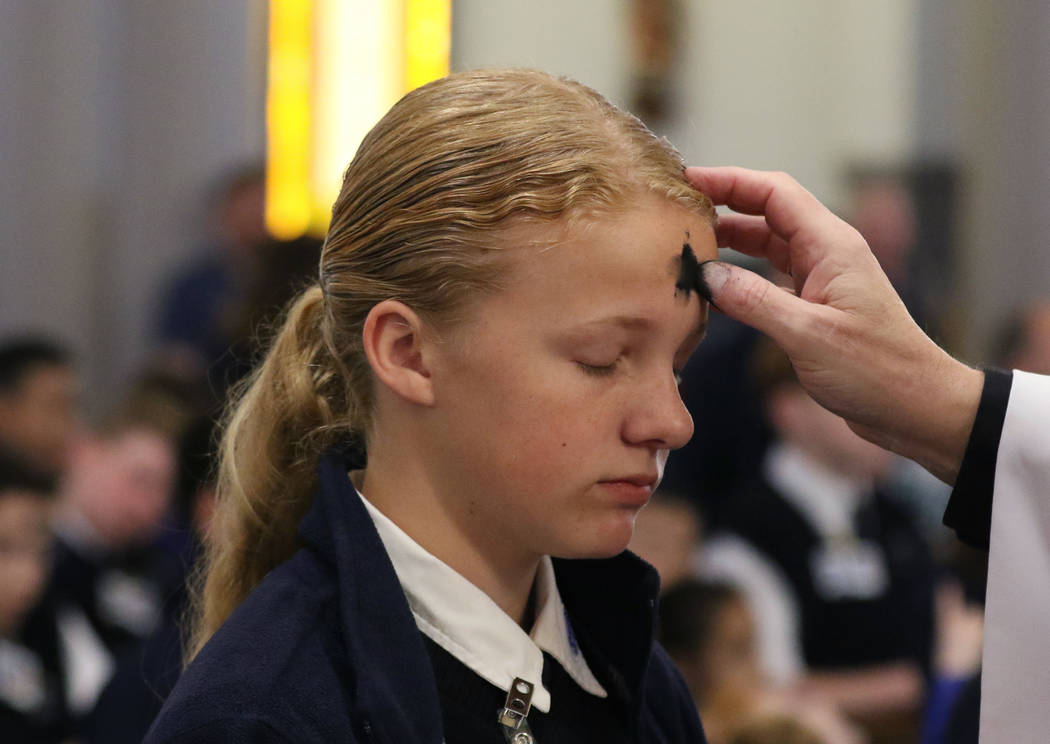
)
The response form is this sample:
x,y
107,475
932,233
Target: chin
x,y
606,541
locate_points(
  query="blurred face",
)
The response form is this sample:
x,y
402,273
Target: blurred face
x,y
666,534
123,485
825,436
39,419
24,555
729,657
242,220
558,402
1034,356
885,215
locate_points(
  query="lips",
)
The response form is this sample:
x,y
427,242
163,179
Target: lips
x,y
643,479
630,490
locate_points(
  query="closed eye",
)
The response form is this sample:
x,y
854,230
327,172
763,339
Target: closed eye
x,y
598,370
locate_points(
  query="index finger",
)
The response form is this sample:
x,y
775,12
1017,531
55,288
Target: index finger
x,y
782,200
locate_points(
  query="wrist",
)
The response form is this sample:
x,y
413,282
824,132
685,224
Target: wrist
x,y
948,415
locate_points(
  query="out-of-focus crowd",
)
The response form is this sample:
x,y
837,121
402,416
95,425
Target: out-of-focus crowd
x,y
100,520
810,594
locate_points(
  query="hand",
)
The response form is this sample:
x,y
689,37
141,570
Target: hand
x,y
960,634
854,346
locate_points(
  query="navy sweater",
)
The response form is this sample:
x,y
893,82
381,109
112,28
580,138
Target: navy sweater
x,y
325,649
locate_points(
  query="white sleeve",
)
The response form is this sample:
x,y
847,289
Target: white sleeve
x,y
1015,697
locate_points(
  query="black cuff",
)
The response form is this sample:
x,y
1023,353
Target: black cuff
x,y
969,510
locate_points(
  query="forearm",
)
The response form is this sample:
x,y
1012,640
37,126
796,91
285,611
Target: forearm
x,y
867,691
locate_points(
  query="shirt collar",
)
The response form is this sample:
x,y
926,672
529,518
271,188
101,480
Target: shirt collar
x,y
827,499
467,623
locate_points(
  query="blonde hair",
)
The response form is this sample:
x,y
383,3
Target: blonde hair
x,y
430,186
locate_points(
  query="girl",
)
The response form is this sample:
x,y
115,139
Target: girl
x,y
427,488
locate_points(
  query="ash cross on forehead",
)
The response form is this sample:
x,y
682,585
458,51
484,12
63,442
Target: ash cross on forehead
x,y
690,276
688,271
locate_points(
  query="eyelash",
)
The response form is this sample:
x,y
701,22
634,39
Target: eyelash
x,y
604,370
599,370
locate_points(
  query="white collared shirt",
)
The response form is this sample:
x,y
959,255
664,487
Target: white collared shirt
x,y
467,623
827,500
845,566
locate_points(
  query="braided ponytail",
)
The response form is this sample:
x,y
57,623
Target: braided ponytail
x,y
284,416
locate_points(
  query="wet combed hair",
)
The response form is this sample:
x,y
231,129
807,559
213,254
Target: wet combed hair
x,y
417,220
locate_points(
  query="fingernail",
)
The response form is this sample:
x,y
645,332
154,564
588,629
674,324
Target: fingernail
x,y
713,276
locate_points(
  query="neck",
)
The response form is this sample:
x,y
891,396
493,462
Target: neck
x,y
445,525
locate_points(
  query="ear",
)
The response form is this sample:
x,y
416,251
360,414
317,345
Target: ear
x,y
395,346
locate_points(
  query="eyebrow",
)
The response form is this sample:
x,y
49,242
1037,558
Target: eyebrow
x,y
640,323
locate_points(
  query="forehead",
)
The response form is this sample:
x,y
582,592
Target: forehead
x,y
632,255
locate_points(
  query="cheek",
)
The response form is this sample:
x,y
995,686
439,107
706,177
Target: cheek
x,y
530,411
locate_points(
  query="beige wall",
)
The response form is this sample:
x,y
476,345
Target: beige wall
x,y
988,107
799,86
117,114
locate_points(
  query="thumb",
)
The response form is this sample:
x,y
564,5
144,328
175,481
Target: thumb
x,y
745,296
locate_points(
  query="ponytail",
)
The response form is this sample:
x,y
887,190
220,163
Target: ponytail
x,y
281,419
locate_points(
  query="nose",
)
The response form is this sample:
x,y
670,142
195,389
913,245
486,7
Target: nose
x,y
657,416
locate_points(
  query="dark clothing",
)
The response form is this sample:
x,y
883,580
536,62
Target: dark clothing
x,y
326,649
194,307
144,677
718,385
841,629
33,707
964,724
575,715
120,593
969,510
134,695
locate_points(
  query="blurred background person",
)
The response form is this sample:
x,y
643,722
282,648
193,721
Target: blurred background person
x,y
1023,342
953,700
667,534
111,573
216,311
708,628
38,402
882,209
284,268
775,730
202,298
144,677
841,579
731,434
33,699
883,205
